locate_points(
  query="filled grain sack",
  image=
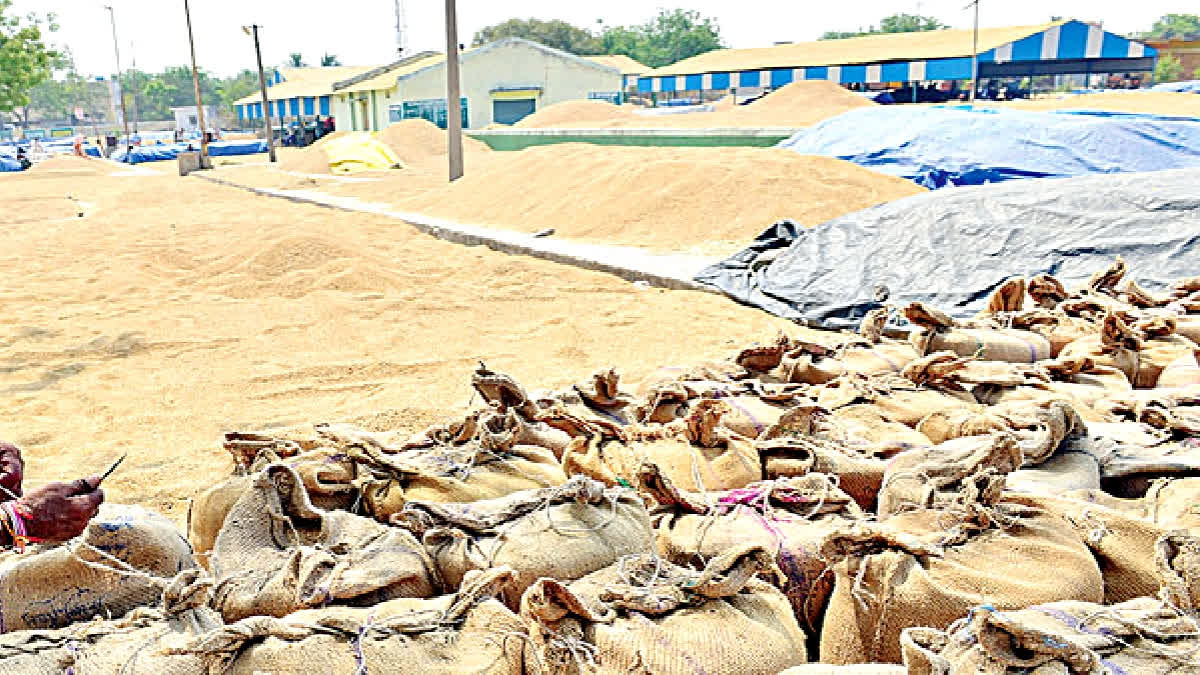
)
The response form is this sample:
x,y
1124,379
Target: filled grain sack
x,y
696,453
277,554
1177,562
812,364
1173,356
124,559
1122,543
971,467
1182,372
564,532
1040,427
788,517
644,614
986,344
930,567
327,474
466,632
491,464
1066,471
895,398
139,643
1115,346
1174,503
1141,636
859,475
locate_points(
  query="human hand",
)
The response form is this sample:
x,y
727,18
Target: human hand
x,y
12,469
60,511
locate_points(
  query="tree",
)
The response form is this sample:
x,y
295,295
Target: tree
x,y
675,35
896,23
555,33
1169,69
1175,26
330,60
25,59
296,60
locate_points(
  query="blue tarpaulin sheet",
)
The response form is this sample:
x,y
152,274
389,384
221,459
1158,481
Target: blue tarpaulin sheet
x,y
9,164
1189,87
952,248
946,146
155,153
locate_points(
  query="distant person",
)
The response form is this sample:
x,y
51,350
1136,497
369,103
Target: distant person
x,y
330,127
22,159
77,146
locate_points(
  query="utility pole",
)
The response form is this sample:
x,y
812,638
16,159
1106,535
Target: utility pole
x,y
401,29
453,96
196,84
262,85
974,53
133,93
120,90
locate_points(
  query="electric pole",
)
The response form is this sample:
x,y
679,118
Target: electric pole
x,y
196,84
974,53
120,90
262,85
453,97
133,92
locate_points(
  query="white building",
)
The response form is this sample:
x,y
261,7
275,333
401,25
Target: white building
x,y
501,82
187,119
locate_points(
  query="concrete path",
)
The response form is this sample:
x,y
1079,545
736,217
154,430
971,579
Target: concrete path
x,y
633,264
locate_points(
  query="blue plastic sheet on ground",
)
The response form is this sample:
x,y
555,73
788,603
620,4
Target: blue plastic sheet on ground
x,y
9,164
946,146
156,153
952,248
1188,87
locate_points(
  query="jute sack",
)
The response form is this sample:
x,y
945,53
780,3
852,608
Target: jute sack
x,y
855,669
277,553
1189,327
1040,428
1174,503
1123,544
1159,355
1140,636
859,475
1001,344
789,516
491,465
819,366
647,615
1062,473
1116,346
121,561
327,474
749,415
564,532
696,453
930,567
865,427
137,644
461,633
895,399
1182,372
1177,562
938,476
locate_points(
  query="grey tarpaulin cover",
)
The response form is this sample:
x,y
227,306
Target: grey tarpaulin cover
x,y
951,248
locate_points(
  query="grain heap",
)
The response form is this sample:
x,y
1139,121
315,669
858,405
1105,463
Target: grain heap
x,y
798,104
993,495
715,197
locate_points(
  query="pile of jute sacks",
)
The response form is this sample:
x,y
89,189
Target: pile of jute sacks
x,y
1012,493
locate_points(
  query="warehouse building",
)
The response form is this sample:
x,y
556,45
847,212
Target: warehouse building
x,y
631,70
297,92
502,82
1060,47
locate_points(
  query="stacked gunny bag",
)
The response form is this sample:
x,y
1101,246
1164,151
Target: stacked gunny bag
x,y
1011,493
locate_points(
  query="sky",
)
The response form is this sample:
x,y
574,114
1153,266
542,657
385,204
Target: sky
x,y
153,33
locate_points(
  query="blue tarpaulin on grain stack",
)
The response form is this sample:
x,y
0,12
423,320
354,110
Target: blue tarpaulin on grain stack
x,y
155,153
940,147
9,164
952,248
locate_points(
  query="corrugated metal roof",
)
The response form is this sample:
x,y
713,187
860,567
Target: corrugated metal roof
x,y
625,64
305,83
867,49
387,78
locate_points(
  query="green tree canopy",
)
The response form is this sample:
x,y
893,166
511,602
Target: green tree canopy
x,y
25,59
896,23
296,60
554,33
330,60
1169,69
1175,26
670,36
